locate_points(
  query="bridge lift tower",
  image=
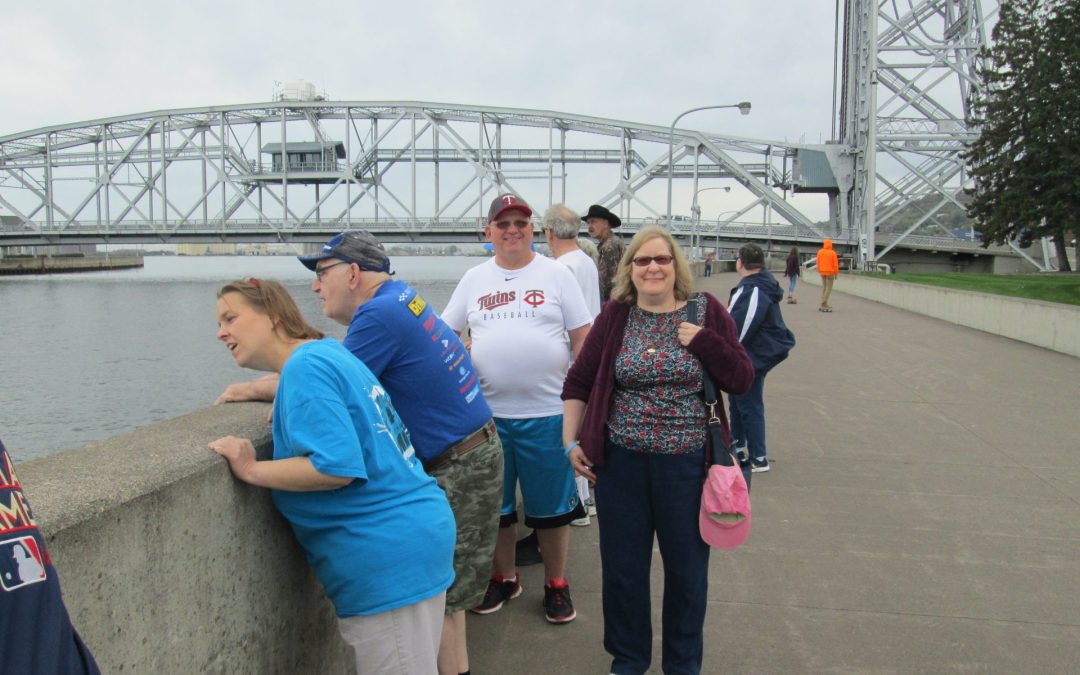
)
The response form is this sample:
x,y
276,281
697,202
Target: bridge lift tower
x,y
909,74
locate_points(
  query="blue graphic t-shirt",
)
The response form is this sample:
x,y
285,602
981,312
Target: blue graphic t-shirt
x,y
36,635
385,540
423,365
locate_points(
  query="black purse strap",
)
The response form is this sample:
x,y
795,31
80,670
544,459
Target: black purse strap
x,y
715,416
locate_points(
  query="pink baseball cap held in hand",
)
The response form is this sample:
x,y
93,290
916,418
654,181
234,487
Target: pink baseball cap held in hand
x,y
724,519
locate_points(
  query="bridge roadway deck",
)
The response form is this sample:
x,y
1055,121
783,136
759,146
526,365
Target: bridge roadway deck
x,y
922,515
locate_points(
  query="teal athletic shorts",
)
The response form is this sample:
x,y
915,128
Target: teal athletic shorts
x,y
533,456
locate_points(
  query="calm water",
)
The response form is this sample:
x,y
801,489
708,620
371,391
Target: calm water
x,y
86,356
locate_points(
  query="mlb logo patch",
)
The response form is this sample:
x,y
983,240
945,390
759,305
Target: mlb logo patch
x,y
20,563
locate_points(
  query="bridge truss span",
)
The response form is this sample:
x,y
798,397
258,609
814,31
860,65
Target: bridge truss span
x,y
295,170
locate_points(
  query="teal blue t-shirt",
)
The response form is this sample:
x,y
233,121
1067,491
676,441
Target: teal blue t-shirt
x,y
385,540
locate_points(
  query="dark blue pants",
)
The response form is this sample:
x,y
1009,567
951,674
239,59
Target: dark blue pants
x,y
748,418
639,495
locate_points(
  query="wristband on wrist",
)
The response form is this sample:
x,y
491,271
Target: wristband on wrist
x,y
568,448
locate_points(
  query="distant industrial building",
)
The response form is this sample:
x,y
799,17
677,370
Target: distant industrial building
x,y
206,249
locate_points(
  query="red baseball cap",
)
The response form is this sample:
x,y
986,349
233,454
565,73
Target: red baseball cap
x,y
507,202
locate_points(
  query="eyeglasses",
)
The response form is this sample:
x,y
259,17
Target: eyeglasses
x,y
519,224
320,272
646,260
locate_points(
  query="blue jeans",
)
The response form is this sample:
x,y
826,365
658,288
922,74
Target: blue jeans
x,y
748,418
791,283
639,495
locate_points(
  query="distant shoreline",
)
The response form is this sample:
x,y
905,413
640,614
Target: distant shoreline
x,y
391,251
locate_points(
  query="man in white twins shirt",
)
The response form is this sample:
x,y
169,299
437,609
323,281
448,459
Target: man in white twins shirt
x,y
526,315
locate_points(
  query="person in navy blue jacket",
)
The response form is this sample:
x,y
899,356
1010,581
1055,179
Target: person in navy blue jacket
x,y
755,306
36,635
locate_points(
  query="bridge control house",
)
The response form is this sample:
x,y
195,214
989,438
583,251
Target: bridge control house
x,y
310,158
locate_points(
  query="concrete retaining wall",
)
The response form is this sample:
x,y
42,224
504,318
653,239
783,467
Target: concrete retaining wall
x,y
66,264
170,565
697,268
1045,324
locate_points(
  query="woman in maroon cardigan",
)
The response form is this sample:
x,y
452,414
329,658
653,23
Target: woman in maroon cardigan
x,y
634,423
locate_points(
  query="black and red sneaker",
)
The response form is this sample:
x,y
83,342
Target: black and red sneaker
x,y
499,590
558,607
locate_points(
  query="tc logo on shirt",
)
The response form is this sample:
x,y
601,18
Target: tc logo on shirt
x,y
534,298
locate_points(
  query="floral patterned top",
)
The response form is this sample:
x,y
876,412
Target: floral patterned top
x,y
657,405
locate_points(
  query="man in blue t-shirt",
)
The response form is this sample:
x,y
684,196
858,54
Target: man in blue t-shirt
x,y
433,385
36,635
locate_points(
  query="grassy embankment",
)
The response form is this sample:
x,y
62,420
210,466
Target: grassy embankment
x,y
1049,287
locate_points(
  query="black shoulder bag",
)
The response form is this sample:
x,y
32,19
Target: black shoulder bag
x,y
716,417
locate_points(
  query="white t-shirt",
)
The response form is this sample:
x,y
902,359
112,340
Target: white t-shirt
x,y
518,321
588,278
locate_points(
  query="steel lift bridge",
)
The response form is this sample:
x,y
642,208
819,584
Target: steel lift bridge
x,y
300,168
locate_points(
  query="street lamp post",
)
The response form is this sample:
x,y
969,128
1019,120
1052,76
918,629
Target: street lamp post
x,y
716,232
695,213
744,109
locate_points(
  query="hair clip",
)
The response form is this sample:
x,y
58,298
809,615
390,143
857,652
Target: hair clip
x,y
254,282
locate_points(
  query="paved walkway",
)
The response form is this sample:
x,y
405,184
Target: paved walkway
x,y
922,515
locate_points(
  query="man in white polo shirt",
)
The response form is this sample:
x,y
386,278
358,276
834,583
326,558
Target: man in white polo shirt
x,y
526,315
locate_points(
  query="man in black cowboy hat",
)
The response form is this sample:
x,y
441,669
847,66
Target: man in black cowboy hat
x,y
601,222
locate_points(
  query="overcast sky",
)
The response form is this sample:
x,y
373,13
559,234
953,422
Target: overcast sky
x,y
67,61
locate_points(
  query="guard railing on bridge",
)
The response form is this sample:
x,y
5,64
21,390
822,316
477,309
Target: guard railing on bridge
x,y
14,232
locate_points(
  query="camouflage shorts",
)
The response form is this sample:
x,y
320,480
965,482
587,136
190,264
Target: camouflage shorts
x,y
473,486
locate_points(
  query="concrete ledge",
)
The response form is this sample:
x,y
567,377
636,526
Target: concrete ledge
x,y
170,565
66,264
1045,324
697,268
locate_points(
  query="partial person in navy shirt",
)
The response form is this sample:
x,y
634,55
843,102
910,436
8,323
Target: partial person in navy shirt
x,y
36,635
433,385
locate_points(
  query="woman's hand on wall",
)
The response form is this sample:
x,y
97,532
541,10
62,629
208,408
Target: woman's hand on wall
x,y
239,452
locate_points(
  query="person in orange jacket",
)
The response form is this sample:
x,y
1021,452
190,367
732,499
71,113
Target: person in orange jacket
x,y
829,268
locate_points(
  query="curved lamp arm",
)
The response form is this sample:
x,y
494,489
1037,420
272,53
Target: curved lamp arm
x,y
744,109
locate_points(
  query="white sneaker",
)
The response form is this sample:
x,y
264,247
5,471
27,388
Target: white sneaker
x,y
590,507
581,522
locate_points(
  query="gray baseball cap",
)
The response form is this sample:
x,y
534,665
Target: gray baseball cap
x,y
354,246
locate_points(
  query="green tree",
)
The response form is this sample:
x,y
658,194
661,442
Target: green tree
x,y
1026,161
